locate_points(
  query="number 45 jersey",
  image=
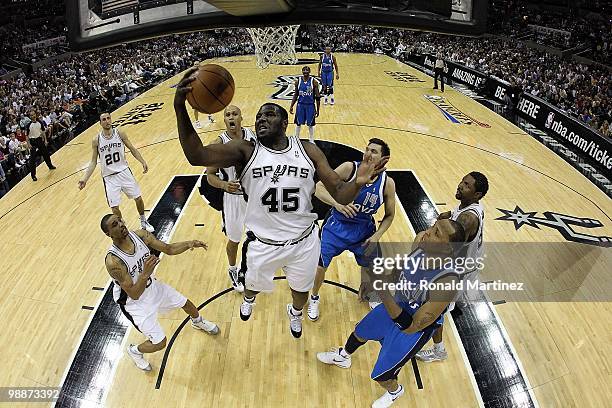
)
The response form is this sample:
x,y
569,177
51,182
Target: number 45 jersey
x,y
279,185
111,152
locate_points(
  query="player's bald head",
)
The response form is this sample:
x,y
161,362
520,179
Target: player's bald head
x,y
232,108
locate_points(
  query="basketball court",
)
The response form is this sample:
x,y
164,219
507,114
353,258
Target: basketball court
x,y
550,352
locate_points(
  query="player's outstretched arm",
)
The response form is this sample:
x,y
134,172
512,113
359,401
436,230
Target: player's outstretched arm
x,y
92,164
174,248
218,155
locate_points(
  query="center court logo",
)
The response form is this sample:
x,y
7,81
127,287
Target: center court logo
x,y
403,76
452,113
139,114
286,85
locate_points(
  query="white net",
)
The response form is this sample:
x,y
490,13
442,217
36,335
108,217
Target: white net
x,y
274,45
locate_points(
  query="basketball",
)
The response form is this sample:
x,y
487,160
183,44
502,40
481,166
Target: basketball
x,y
212,90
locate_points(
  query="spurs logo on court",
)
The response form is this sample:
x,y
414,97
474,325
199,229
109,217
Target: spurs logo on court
x,y
403,76
560,222
452,113
287,87
139,114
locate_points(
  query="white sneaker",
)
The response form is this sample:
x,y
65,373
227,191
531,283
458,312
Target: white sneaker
x,y
388,399
138,359
236,284
146,226
431,354
325,101
313,309
374,304
295,322
210,119
208,327
334,357
332,101
246,308
197,124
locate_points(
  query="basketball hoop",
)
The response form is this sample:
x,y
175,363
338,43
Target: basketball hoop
x,y
274,45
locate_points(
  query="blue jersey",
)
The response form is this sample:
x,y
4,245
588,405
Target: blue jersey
x,y
368,201
327,63
305,92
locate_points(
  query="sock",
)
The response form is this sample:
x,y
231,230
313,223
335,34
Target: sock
x,y
134,349
295,311
143,218
311,134
439,346
249,300
297,130
196,319
233,267
314,297
399,388
352,344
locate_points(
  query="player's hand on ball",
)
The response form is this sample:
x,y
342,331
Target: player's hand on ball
x,y
183,88
349,210
149,265
368,170
82,184
232,186
198,244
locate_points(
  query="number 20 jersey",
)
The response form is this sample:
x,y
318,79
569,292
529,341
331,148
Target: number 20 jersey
x,y
111,153
279,185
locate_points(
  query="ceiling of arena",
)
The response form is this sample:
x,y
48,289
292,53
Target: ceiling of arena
x,y
99,23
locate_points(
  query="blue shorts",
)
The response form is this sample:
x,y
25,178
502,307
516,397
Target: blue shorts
x,y
305,114
397,347
327,78
338,236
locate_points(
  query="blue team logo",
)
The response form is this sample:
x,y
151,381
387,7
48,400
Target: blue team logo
x,y
286,87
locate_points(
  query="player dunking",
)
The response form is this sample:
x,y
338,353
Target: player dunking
x,y
327,63
404,324
141,296
305,94
234,203
277,175
109,146
470,214
351,227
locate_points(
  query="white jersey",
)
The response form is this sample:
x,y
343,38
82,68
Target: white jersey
x,y
279,185
229,173
111,152
475,247
135,265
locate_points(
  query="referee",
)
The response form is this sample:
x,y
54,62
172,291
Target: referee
x,y
439,70
37,139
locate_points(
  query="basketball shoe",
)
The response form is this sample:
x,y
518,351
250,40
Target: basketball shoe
x,y
388,398
431,355
205,325
313,309
246,309
138,358
295,322
334,357
144,224
233,275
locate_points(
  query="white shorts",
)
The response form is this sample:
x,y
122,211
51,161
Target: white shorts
x,y
143,313
234,210
299,262
116,183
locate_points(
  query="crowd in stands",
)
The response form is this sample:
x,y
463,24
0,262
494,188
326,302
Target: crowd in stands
x,y
578,29
74,91
585,91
